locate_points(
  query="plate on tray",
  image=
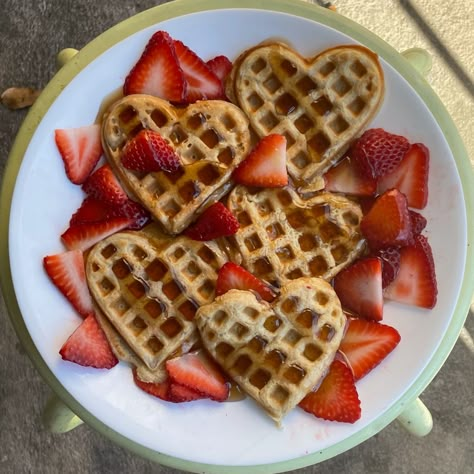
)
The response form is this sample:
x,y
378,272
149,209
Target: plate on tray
x,y
203,435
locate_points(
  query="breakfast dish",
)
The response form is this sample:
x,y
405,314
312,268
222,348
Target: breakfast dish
x,y
283,237
241,244
277,353
319,104
210,137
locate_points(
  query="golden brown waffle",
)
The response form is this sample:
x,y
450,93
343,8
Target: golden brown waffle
x,y
320,104
211,138
149,286
276,353
283,237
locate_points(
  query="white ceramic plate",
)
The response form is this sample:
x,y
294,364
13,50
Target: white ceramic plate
x,y
230,433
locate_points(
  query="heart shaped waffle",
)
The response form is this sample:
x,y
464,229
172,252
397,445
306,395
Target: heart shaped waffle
x,y
276,353
320,104
283,236
149,286
211,138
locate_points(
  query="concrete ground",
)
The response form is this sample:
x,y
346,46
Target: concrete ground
x,y
31,33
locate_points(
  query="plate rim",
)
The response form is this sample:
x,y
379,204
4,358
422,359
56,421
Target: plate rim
x,y
175,9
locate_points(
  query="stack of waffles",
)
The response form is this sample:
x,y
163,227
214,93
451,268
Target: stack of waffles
x,y
155,289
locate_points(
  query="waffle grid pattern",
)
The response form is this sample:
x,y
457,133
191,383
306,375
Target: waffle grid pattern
x,y
211,138
319,105
276,354
145,296
282,237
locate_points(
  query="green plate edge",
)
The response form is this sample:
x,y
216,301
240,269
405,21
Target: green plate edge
x,y
183,7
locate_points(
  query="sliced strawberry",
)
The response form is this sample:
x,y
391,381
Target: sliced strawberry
x,y
67,272
415,283
157,72
378,152
390,258
88,346
265,166
157,389
336,399
216,221
83,236
179,393
359,288
199,373
148,152
366,344
93,210
411,176
104,186
233,276
388,222
220,66
80,148
346,178
366,203
202,83
418,222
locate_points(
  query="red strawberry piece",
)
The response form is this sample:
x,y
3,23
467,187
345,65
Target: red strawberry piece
x,y
265,166
104,186
366,343
346,178
200,374
359,288
410,177
220,66
366,203
415,283
202,83
336,399
216,221
88,346
149,152
157,72
157,389
388,222
418,222
390,258
93,210
83,236
80,148
233,276
378,152
66,270
179,393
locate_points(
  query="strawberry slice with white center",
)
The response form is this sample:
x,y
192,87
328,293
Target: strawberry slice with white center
x,y
80,148
346,178
220,66
84,236
265,166
88,346
157,72
233,276
336,399
388,222
67,272
104,186
200,374
202,83
216,221
148,152
415,283
410,177
359,288
366,343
